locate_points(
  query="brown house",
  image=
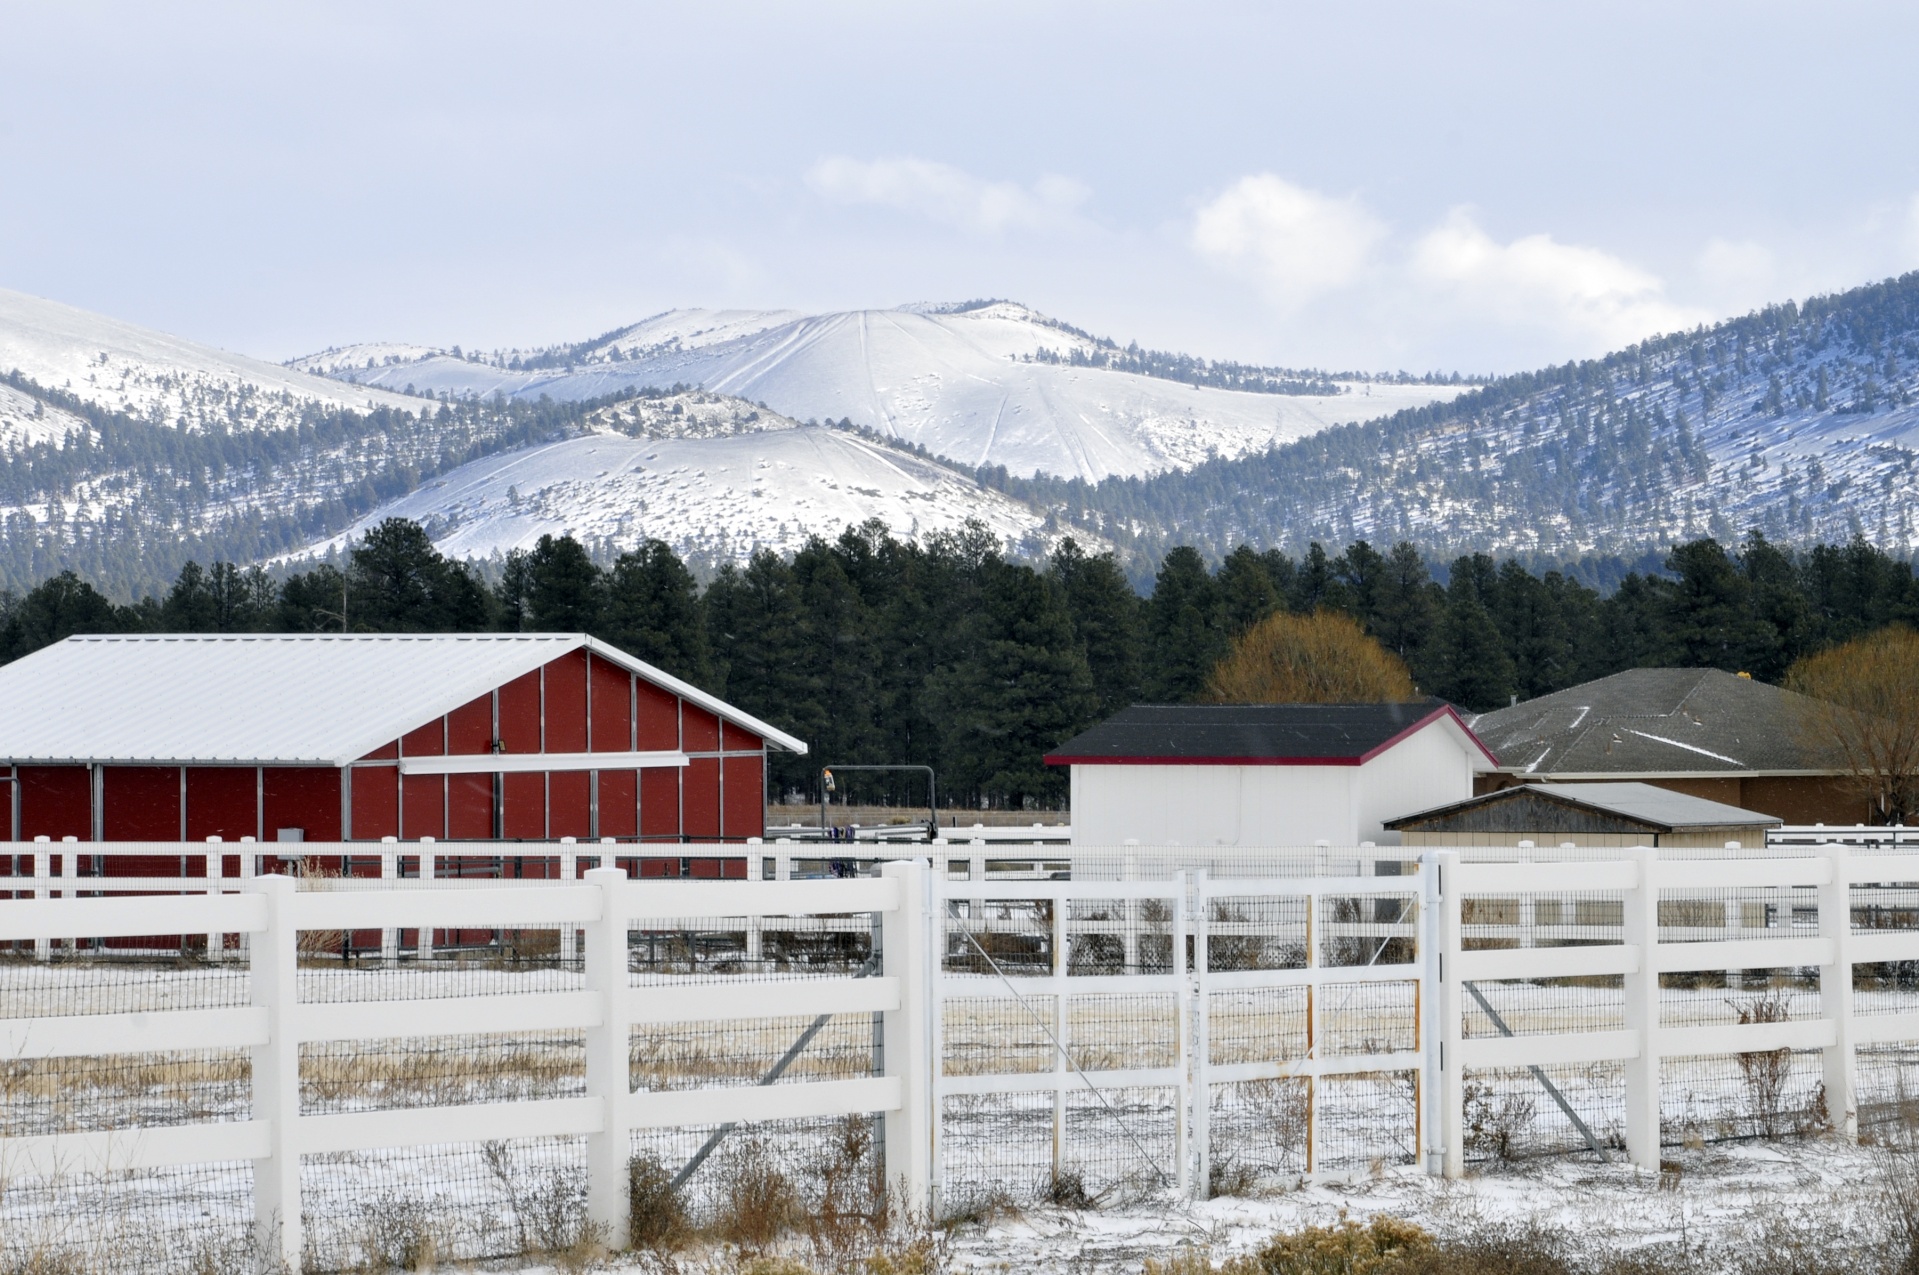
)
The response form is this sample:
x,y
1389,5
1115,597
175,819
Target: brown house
x,y
1716,735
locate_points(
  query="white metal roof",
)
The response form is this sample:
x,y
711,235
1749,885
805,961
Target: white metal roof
x,y
318,699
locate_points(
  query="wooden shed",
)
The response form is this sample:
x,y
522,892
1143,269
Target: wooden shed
x,y
1585,814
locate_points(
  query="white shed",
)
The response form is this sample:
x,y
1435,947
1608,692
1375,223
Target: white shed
x,y
1266,774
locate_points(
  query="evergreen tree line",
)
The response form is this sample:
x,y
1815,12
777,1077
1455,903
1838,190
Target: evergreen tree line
x,y
949,654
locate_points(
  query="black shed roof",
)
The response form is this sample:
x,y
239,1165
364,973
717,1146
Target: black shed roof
x,y
1251,734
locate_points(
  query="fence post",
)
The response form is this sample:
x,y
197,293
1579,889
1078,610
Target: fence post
x,y
1193,882
429,873
1835,994
569,873
904,956
272,975
215,868
1449,1098
608,1067
1640,929
42,874
389,873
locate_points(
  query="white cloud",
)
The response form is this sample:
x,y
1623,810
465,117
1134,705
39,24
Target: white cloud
x,y
1539,281
1299,243
1743,272
949,195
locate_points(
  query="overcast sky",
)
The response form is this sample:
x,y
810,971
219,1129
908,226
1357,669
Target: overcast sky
x,y
1471,186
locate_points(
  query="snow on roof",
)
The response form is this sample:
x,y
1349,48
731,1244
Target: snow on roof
x,y
315,699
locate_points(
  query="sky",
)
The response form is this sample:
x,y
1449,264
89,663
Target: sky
x,y
1481,187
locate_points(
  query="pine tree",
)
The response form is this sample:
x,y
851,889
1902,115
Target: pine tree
x,y
56,609
650,607
1186,627
1405,604
1106,616
1246,590
1469,664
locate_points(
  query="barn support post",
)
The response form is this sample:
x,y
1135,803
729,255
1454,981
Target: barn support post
x,y
608,1070
1640,930
1835,994
905,932
276,1078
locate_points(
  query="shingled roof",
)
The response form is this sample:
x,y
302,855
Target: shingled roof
x,y
1253,734
1658,721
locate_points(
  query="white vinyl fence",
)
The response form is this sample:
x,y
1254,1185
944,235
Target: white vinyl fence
x,y
1085,1024
607,1007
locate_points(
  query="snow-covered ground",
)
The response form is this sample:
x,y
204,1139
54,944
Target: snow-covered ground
x,y
957,383
716,497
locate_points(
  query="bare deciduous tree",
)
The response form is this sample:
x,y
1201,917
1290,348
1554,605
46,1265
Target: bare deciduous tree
x,y
1866,709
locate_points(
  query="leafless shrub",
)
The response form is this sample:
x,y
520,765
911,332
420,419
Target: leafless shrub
x,y
1066,1189
1766,1071
1496,1122
397,1234
758,1200
656,1210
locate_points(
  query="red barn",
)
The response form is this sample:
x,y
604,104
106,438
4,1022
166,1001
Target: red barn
x,y
514,736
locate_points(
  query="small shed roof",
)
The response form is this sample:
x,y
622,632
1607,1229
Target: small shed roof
x,y
274,699
1258,734
1647,806
1659,721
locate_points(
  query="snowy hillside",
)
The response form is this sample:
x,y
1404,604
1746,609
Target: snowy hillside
x,y
971,385
713,498
1801,421
155,377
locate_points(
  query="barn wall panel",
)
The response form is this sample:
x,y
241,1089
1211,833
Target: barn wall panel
x,y
612,708
423,810
222,801
520,714
469,728
566,704
735,740
702,797
660,804
619,803
659,718
6,810
569,796
141,803
376,802
56,802
745,812
524,815
303,797
700,730
470,806
428,741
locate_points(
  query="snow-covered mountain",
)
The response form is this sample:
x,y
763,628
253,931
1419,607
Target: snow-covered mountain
x,y
714,496
992,384
151,376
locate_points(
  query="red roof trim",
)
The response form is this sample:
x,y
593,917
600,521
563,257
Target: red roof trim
x,y
1444,710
